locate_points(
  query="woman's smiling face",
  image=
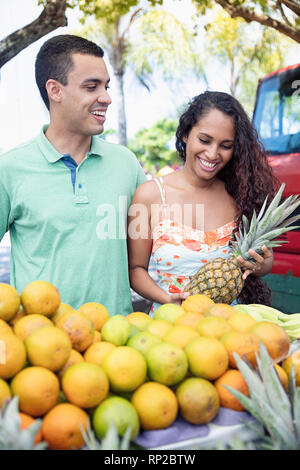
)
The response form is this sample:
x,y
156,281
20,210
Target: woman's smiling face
x,y
209,145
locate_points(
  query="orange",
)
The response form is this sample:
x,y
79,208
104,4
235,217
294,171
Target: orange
x,y
62,310
116,330
4,392
79,328
48,347
20,314
95,312
167,363
37,389
126,369
274,337
85,384
189,319
27,421
220,310
243,344
159,328
40,297
214,327
9,302
283,377
293,360
4,328
29,323
207,357
62,427
156,405
139,319
168,312
198,400
74,358
197,303
12,355
143,341
241,322
234,379
180,335
97,337
97,352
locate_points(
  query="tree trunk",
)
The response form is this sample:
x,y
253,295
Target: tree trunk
x,y
51,18
122,126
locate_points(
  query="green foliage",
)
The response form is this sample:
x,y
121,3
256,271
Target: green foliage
x,y
161,40
153,146
247,61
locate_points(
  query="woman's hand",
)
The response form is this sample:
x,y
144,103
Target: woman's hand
x,y
178,298
263,263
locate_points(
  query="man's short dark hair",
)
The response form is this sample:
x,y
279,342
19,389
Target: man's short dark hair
x,y
54,59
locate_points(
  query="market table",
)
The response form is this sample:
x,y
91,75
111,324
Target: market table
x,y
227,425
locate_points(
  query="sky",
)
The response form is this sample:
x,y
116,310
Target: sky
x,y
22,112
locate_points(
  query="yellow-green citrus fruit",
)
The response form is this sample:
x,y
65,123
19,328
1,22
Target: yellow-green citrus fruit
x,y
116,330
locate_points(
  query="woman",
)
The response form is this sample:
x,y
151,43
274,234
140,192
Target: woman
x,y
188,217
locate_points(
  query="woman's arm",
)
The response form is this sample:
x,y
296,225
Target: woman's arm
x,y
140,246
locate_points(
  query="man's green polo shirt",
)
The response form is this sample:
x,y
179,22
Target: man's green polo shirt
x,y
68,226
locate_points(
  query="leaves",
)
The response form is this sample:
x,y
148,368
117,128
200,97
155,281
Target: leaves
x,y
278,412
153,147
11,438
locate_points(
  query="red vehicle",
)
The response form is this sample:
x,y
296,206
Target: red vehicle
x,y
277,120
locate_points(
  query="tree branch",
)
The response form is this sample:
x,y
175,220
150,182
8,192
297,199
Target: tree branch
x,y
51,18
292,6
249,15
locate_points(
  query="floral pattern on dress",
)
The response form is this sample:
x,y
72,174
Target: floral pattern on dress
x,y
179,252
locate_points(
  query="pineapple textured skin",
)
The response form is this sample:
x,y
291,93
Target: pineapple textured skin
x,y
221,280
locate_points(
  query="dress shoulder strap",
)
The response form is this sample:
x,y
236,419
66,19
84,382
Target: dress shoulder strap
x,y
160,183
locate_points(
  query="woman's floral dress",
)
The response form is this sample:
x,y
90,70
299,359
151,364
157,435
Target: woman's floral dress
x,y
179,251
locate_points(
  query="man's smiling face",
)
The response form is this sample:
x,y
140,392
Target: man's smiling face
x,y
85,98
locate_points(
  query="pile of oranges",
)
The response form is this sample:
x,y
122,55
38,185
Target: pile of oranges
x,y
74,368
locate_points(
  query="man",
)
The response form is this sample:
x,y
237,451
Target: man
x,y
64,195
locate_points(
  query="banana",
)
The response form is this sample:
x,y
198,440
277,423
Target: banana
x,y
243,308
292,316
265,312
292,324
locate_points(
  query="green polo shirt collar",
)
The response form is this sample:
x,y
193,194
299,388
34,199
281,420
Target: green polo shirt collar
x,y
52,155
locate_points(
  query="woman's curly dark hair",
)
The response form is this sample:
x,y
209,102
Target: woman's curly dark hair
x,y
248,177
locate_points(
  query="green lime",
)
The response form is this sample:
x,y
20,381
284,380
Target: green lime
x,y
116,330
119,411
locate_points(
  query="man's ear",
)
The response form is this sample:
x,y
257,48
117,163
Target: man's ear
x,y
54,90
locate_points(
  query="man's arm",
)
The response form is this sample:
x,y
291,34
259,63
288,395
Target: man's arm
x,y
5,210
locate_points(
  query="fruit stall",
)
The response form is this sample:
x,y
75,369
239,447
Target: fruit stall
x,y
199,375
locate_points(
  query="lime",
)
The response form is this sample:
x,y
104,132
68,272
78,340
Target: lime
x,y
142,341
119,411
168,312
116,330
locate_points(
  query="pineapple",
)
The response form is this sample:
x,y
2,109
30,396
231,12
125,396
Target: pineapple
x,y
111,441
221,279
11,438
277,412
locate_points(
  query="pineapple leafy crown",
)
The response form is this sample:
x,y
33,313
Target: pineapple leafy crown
x,y
263,228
